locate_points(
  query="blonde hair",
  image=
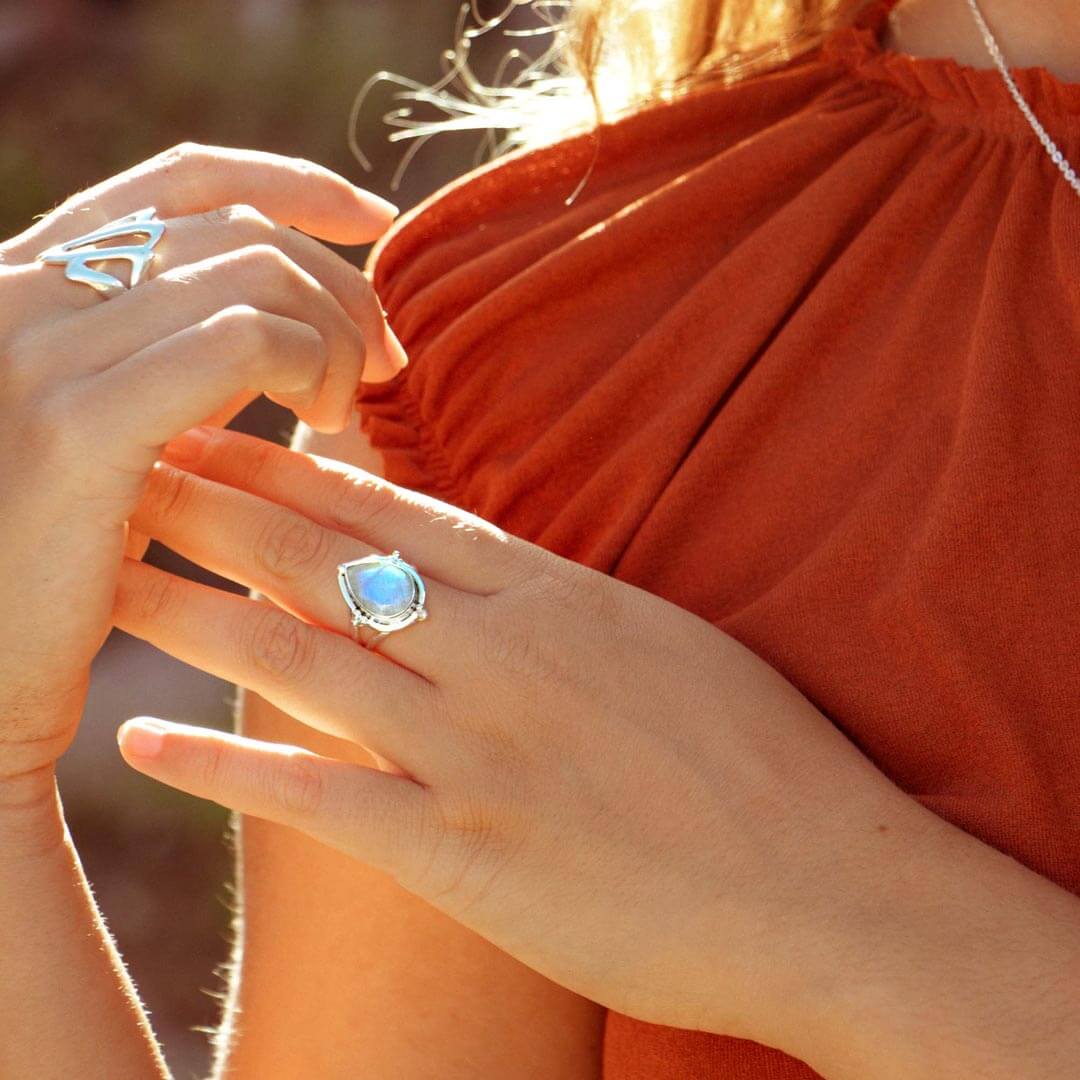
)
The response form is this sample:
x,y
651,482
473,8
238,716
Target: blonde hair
x,y
598,60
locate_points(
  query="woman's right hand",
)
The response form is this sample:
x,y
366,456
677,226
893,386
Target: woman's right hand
x,y
234,303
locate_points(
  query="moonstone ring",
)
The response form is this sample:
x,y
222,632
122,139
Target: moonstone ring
x,y
383,592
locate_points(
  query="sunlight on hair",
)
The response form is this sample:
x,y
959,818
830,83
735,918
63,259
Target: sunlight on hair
x,y
597,61
517,102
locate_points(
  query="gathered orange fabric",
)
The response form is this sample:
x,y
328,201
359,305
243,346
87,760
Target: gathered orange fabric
x,y
803,357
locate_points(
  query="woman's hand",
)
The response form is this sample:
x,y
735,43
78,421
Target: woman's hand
x,y
606,786
237,303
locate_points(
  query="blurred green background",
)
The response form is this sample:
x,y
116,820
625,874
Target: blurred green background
x,y
88,89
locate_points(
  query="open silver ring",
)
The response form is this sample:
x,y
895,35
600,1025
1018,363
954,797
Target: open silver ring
x,y
384,593
76,255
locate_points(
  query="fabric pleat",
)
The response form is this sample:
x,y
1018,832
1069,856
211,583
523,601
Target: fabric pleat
x,y
803,357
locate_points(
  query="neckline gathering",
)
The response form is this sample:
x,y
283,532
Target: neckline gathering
x,y
955,91
954,94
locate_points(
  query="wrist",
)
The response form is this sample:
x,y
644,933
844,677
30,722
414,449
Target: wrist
x,y
31,815
960,962
38,722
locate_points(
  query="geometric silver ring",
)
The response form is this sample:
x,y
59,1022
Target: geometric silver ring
x,y
76,255
384,593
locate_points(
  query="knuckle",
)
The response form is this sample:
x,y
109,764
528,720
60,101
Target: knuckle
x,y
510,642
156,596
279,647
521,629
216,217
270,266
458,830
311,354
242,328
561,587
471,824
182,157
520,566
555,586
358,502
295,786
290,547
593,594
170,493
479,850
241,217
180,151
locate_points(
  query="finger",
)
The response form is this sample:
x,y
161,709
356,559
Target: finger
x,y
371,815
262,277
229,227
197,237
221,358
293,561
135,543
321,678
461,549
189,179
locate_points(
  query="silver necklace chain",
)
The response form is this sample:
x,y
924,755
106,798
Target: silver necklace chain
x,y
1052,149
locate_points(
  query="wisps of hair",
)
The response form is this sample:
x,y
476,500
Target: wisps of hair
x,y
593,61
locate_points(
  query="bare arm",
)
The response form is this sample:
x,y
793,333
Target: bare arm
x,y
67,1006
341,972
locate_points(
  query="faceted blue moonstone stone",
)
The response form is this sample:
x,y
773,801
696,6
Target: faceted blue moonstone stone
x,y
384,591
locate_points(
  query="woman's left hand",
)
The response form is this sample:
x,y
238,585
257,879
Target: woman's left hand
x,y
601,783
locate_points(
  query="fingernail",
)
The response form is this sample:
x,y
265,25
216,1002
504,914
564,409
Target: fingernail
x,y
186,449
377,202
399,358
142,736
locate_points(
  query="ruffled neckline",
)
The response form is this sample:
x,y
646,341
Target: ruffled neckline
x,y
946,84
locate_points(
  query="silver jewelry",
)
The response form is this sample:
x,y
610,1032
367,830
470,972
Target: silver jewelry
x,y
75,255
1051,147
384,593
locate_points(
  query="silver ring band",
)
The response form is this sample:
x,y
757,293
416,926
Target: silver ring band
x,y
76,255
371,642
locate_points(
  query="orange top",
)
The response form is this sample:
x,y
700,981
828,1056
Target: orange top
x,y
802,358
